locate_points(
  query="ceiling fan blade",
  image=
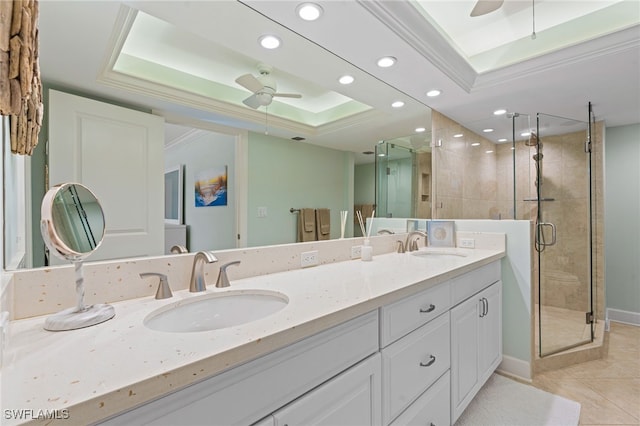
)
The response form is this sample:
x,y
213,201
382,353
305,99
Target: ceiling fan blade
x,y
288,95
252,102
249,82
483,7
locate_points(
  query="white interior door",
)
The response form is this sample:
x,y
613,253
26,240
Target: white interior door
x,y
118,154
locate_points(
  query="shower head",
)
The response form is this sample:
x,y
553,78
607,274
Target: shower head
x,y
533,140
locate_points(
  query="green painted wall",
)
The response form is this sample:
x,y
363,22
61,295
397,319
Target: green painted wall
x,y
365,184
622,213
285,174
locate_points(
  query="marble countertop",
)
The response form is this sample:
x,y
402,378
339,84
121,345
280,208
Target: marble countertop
x,y
93,373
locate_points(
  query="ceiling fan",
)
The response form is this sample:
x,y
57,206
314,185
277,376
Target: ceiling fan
x,y
263,87
483,7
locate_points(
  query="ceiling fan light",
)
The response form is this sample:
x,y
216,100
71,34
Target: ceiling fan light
x,y
309,11
269,41
386,61
346,79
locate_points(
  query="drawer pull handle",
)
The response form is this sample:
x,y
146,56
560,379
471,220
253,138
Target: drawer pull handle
x,y
431,308
429,363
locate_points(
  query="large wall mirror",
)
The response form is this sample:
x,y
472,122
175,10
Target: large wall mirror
x,y
180,61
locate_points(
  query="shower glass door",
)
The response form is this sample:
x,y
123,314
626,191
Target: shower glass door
x,y
561,166
395,180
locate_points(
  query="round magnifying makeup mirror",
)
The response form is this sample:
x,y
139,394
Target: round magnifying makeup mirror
x,y
73,227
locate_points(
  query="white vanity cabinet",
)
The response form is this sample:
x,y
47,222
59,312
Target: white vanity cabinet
x,y
417,361
351,398
476,345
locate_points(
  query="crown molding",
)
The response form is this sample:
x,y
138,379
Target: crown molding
x,y
411,26
615,43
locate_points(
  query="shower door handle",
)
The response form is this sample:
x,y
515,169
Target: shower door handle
x,y
541,230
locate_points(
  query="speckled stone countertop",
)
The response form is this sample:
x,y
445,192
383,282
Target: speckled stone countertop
x,y
93,373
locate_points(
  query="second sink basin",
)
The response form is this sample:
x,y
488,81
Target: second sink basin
x,y
439,254
215,311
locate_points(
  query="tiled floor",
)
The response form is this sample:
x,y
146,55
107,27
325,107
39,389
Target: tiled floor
x,y
607,389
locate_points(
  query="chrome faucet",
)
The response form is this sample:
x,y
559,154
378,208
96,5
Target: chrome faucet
x,y
197,272
223,279
411,244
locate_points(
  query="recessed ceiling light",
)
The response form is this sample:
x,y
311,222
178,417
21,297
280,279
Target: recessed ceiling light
x,y
502,140
420,129
346,79
397,104
525,134
382,154
475,144
500,112
488,130
458,135
489,152
269,41
433,93
309,11
386,61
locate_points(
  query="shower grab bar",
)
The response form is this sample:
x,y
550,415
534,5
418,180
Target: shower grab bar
x,y
543,243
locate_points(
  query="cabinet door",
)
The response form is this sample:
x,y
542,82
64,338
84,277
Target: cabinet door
x,y
465,344
351,398
490,354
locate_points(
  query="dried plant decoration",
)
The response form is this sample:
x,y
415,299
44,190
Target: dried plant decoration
x,y
20,85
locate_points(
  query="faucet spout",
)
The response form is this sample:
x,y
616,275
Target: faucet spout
x,y
197,282
411,244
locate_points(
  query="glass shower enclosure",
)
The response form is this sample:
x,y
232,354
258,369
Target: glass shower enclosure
x,y
563,232
395,180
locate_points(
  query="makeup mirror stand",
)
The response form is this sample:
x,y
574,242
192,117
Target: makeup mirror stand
x,y
73,228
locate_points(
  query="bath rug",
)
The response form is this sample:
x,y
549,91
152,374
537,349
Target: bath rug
x,y
503,401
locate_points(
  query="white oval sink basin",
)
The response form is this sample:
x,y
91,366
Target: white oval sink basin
x,y
215,311
439,254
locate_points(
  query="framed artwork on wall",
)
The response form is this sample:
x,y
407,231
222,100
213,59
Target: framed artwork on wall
x,y
210,187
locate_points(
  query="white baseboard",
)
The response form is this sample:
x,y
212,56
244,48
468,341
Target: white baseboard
x,y
626,317
516,368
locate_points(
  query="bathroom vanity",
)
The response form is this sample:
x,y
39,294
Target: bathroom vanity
x,y
403,339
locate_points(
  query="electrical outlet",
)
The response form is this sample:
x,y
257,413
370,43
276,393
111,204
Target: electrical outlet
x,y
467,242
356,252
309,258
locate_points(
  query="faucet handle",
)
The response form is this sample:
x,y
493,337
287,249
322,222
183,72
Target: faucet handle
x,y
223,279
179,249
164,291
400,246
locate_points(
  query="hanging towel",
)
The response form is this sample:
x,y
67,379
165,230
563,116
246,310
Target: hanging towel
x,y
307,225
323,221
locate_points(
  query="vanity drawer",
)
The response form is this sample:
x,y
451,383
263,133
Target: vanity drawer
x,y
404,316
472,282
431,409
412,364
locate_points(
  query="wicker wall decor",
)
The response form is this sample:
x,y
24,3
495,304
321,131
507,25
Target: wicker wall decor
x,y
20,85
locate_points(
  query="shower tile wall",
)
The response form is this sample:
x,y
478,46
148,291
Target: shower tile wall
x,y
470,183
465,175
